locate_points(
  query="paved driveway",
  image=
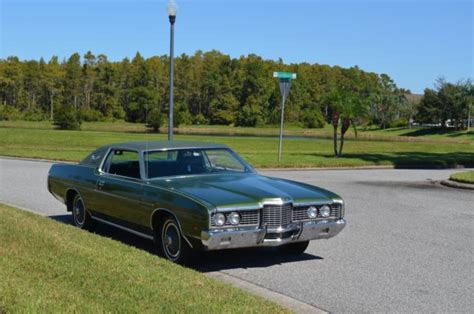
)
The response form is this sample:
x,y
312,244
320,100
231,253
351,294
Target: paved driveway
x,y
408,245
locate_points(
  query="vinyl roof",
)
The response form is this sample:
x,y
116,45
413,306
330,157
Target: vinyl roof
x,y
156,145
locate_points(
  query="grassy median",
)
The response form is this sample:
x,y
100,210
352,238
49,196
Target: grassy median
x,y
463,177
46,266
259,151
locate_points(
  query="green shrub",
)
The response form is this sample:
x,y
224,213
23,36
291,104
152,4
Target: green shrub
x,y
34,115
399,123
200,119
182,116
223,117
9,113
118,113
313,119
67,118
249,116
90,115
155,120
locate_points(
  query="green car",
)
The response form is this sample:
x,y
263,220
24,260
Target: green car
x,y
192,196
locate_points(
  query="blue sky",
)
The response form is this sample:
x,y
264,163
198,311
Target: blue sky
x,y
414,42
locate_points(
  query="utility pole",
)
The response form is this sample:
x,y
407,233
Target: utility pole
x,y
469,117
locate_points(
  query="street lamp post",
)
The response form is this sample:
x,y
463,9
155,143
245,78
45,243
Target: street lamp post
x,y
172,8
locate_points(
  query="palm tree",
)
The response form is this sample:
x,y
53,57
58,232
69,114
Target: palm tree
x,y
344,108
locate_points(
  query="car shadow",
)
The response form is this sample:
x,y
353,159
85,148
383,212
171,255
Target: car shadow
x,y
246,259
206,261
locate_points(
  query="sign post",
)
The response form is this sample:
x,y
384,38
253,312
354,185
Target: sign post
x,y
284,79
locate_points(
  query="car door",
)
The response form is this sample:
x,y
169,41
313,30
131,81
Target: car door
x,y
119,188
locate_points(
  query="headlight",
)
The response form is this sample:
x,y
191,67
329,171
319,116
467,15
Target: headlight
x,y
325,211
234,218
312,212
219,219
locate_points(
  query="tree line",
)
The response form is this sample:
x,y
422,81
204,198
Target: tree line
x,y
214,88
447,105
210,88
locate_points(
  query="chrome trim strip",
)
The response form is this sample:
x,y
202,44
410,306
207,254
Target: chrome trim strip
x,y
309,203
258,206
237,208
123,228
274,202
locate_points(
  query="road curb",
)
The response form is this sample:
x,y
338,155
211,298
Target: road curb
x,y
283,300
37,159
457,185
329,168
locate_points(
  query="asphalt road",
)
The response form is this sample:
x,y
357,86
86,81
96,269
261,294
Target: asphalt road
x,y
408,246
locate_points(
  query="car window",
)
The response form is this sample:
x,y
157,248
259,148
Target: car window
x,y
190,161
223,160
123,163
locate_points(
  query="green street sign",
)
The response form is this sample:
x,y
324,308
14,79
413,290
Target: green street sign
x,y
285,75
284,79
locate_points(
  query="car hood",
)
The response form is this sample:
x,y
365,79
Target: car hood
x,y
228,189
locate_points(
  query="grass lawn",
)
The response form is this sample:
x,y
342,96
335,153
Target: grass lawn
x,y
259,151
46,266
21,141
393,134
463,177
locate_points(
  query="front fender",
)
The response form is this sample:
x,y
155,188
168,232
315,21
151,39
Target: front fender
x,y
192,214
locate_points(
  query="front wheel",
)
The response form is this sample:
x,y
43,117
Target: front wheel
x,y
294,248
172,244
81,217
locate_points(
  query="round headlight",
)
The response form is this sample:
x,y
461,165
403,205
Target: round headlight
x,y
312,212
325,211
234,218
219,219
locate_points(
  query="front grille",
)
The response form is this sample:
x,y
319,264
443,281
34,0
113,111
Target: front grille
x,y
335,210
300,213
250,217
276,216
247,218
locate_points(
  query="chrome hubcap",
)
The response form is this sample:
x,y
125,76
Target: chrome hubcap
x,y
171,240
79,212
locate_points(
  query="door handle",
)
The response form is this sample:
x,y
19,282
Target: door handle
x,y
100,184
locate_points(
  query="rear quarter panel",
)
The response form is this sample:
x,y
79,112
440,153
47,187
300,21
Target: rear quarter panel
x,y
63,177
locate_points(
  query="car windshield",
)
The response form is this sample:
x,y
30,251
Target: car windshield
x,y
191,161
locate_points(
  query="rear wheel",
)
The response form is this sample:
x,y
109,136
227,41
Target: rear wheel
x,y
172,244
81,217
294,248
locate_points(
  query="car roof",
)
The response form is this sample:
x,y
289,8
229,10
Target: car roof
x,y
163,145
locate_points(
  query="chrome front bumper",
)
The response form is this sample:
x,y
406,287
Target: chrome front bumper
x,y
310,230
